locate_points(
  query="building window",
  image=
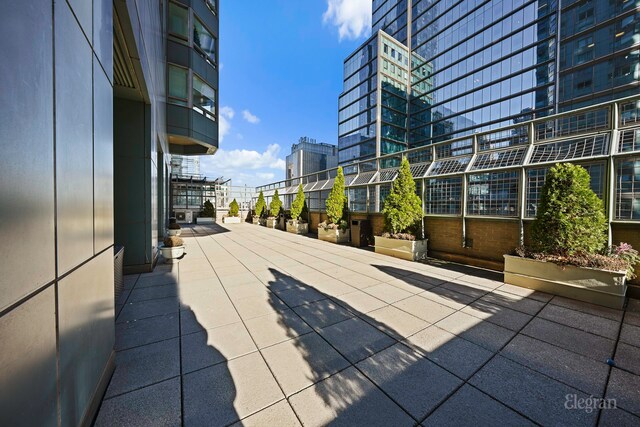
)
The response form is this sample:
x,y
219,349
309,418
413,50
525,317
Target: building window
x,y
178,86
179,21
203,39
443,196
493,194
204,98
628,189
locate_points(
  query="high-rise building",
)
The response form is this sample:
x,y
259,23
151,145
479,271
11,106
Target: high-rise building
x,y
185,165
480,65
308,156
87,131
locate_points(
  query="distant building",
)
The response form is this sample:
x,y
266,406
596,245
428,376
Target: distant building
x,y
308,156
185,166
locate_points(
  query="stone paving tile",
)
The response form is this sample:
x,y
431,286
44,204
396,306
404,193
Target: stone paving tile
x,y
570,368
457,355
585,307
224,393
579,320
275,328
534,395
501,316
514,302
480,332
465,288
524,292
323,313
470,407
347,399
153,292
632,316
356,339
625,388
298,296
144,309
628,358
447,297
387,293
359,301
251,307
142,366
156,405
424,308
575,340
203,300
618,418
412,381
146,331
208,318
279,414
303,361
130,280
400,322
630,334
156,279
213,346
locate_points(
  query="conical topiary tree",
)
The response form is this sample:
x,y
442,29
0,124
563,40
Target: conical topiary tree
x,y
570,218
208,210
402,208
261,205
298,204
275,205
336,200
233,208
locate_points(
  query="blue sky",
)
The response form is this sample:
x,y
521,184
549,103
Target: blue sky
x,y
280,77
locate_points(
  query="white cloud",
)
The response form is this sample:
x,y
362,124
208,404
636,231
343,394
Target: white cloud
x,y
253,119
266,176
225,161
352,17
226,114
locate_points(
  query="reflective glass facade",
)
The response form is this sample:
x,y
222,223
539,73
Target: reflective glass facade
x,y
478,65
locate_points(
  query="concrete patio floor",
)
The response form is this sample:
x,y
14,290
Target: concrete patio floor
x,y
264,328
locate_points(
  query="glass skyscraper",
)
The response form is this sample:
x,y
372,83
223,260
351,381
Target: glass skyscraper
x,y
478,65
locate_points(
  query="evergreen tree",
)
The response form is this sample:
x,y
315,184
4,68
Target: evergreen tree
x,y
261,205
402,208
298,204
275,205
336,200
570,218
233,208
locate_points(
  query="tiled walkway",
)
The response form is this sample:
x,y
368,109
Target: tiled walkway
x,y
274,329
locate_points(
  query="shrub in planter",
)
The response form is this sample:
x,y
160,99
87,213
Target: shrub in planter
x,y
174,229
296,224
261,205
402,212
172,249
568,255
208,209
336,228
233,208
275,207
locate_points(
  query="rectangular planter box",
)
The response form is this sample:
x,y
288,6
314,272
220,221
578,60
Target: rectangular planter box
x,y
412,250
205,220
297,228
255,220
602,287
231,220
272,223
333,235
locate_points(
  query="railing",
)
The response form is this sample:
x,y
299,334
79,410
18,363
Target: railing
x,y
498,173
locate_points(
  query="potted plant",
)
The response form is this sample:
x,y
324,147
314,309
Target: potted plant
x,y
568,254
207,214
296,224
261,207
172,249
274,210
174,229
336,228
402,213
233,217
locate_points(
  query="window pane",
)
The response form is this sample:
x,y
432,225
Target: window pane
x,y
204,40
204,98
178,21
178,84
